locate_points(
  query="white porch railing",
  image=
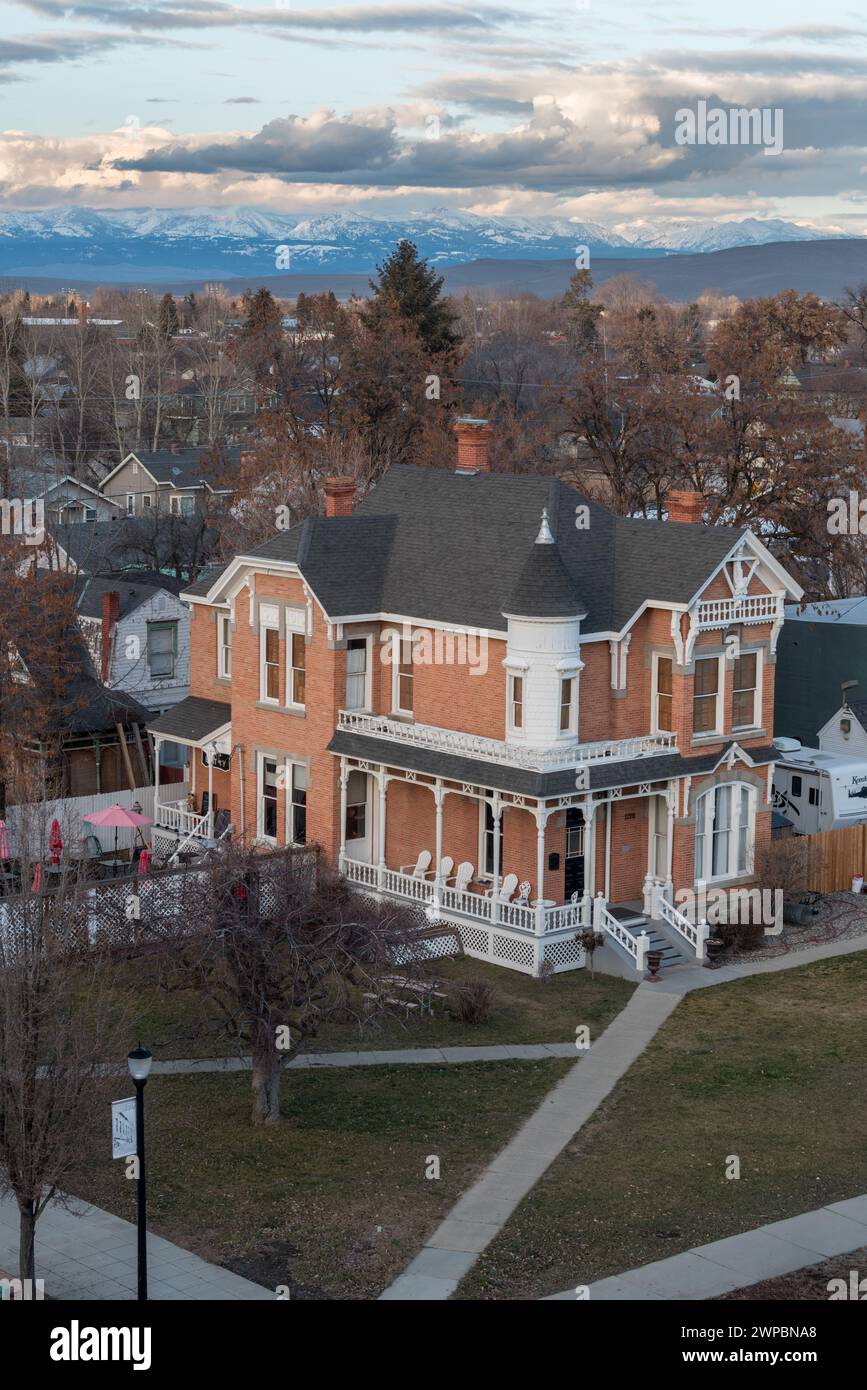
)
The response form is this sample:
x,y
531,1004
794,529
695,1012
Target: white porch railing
x,y
695,934
492,750
603,921
175,815
748,608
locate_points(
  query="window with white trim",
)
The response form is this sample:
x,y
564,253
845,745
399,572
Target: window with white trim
x,y
487,847
162,640
516,703
707,696
567,705
357,670
724,818
266,799
224,646
404,675
297,668
663,695
130,504
297,803
745,692
269,657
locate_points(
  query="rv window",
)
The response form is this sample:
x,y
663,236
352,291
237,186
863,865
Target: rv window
x,y
814,796
796,786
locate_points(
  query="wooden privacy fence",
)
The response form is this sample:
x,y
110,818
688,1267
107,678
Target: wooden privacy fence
x,y
839,855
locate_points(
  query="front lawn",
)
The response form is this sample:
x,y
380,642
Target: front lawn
x,y
526,1010
769,1069
334,1200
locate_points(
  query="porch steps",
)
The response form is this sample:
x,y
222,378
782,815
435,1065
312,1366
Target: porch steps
x,y
635,922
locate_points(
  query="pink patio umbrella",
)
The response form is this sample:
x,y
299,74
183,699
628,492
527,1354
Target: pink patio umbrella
x,y
4,842
37,880
118,816
55,842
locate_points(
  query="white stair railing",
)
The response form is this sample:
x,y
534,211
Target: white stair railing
x,y
695,934
603,921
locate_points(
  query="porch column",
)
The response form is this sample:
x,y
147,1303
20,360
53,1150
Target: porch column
x,y
671,807
496,811
439,799
382,779
344,779
158,743
608,805
210,821
589,809
541,822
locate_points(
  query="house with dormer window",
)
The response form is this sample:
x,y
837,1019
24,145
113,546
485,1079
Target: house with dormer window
x,y
487,695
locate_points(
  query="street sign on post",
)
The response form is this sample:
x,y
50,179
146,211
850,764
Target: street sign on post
x,y
124,1140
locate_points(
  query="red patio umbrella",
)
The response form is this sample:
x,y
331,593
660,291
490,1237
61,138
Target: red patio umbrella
x,y
144,862
118,816
37,880
55,842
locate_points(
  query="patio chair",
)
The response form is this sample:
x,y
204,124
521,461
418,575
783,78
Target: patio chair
x,y
507,888
446,866
420,867
463,876
523,898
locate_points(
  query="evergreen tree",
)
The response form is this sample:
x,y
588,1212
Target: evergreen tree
x,y
168,317
411,285
581,314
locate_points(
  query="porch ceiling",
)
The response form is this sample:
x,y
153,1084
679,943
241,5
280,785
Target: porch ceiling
x,y
603,776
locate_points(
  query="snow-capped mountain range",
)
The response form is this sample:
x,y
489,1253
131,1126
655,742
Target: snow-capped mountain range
x,y
141,245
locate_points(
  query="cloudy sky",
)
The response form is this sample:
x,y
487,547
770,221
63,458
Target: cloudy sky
x,y
563,108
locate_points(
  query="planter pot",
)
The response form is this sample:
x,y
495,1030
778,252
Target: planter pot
x,y
653,960
714,947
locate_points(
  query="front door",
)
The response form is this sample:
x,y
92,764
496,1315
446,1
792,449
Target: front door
x,y
358,828
574,876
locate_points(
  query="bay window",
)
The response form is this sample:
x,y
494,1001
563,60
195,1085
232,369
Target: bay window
x,y
723,832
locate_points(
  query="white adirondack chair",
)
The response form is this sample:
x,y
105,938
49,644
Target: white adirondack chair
x,y
507,888
420,867
463,876
446,866
523,898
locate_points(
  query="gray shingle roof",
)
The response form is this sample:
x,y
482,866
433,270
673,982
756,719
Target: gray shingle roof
x,y
544,588
524,781
188,468
428,543
193,718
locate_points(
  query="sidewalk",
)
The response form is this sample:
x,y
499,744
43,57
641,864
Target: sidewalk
x,y
92,1255
405,1056
707,1271
483,1211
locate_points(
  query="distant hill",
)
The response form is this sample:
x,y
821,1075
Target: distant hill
x,y
826,268
159,246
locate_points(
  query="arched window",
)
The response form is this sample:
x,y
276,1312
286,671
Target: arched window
x,y
724,821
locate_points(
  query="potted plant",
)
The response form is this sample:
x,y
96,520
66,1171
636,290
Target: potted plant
x,y
714,947
653,961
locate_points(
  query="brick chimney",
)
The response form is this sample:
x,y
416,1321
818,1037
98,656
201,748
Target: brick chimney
x,y
473,439
686,506
110,615
339,496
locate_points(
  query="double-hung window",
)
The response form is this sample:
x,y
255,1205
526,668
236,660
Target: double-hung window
x,y
267,799
745,692
162,650
404,675
297,809
269,654
663,714
516,702
356,673
224,646
297,669
723,832
567,705
706,696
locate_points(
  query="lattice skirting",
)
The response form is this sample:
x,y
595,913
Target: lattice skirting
x,y
517,952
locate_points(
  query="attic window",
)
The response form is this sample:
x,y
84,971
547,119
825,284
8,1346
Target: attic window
x,y
845,727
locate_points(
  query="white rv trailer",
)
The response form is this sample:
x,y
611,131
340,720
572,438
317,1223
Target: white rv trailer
x,y
818,790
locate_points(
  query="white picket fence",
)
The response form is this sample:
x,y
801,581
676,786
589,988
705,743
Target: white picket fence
x,y
35,821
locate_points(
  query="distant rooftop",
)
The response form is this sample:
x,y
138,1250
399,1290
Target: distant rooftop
x,y
831,610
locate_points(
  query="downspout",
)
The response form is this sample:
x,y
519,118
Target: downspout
x,y
239,748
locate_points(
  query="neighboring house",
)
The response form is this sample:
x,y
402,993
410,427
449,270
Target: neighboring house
x,y
825,787
489,670
168,481
138,634
173,545
823,645
66,499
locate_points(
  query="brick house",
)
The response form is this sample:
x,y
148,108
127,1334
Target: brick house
x,y
489,670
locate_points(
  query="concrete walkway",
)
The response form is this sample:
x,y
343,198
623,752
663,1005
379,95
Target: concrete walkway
x,y
86,1253
707,1271
407,1056
482,1212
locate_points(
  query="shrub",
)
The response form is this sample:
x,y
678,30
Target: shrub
x,y
473,1001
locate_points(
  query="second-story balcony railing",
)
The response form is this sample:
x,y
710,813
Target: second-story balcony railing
x,y
748,608
492,750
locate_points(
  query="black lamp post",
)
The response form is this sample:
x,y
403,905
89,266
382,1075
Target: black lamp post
x,y
139,1061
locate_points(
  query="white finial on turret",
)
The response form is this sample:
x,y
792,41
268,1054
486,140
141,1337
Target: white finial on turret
x,y
544,537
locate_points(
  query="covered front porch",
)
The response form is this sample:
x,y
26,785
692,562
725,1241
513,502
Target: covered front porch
x,y
519,876
195,811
